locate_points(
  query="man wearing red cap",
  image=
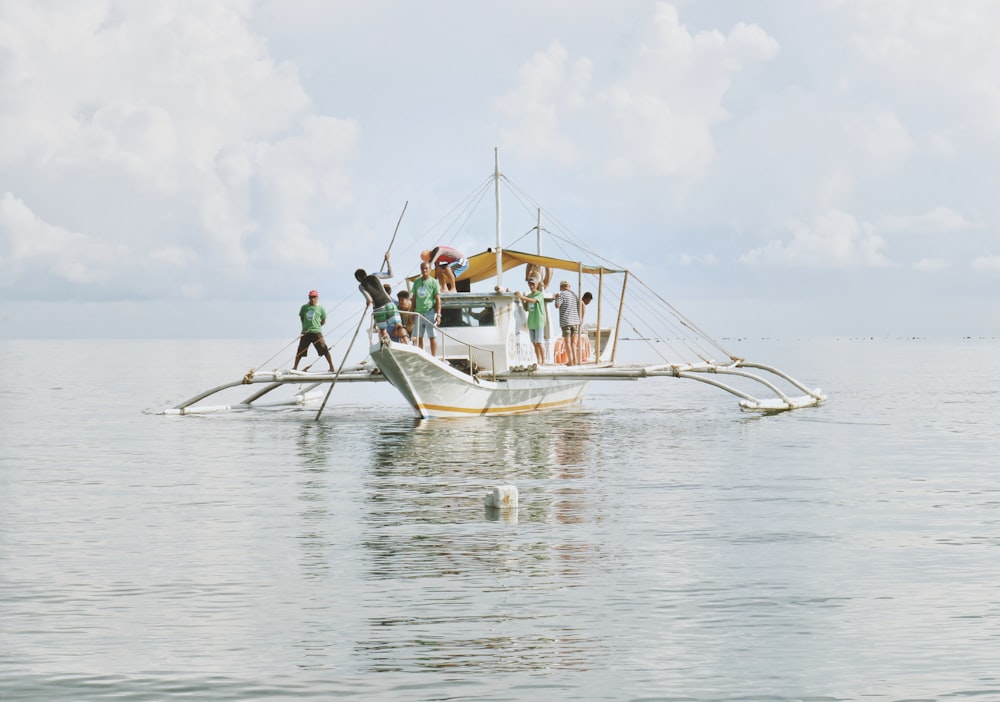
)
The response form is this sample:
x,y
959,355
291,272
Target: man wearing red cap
x,y
313,317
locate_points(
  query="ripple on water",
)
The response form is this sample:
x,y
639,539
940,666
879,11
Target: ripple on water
x,y
666,545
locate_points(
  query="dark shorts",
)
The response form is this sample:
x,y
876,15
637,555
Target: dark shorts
x,y
571,330
314,338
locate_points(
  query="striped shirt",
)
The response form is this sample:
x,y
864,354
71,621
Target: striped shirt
x,y
569,308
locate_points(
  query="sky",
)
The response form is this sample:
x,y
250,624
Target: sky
x,y
190,169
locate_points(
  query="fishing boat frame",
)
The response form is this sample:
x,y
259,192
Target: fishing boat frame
x,y
486,365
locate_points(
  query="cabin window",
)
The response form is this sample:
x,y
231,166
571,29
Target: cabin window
x,y
480,314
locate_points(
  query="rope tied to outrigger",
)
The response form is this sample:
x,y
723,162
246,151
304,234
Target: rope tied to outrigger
x,y
248,378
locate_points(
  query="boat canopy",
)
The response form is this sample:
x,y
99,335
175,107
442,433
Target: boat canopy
x,y
483,266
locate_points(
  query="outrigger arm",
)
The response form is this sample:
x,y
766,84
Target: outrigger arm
x,y
749,402
699,371
272,381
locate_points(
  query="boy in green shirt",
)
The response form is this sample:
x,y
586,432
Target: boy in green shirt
x,y
535,300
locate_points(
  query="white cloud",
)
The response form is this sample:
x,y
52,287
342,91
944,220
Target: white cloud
x,y
260,202
938,220
171,132
32,247
174,256
656,115
693,260
803,152
878,138
140,139
662,113
931,264
986,263
833,239
939,56
551,88
187,148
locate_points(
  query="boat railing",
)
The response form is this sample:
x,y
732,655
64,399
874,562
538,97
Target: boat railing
x,y
442,346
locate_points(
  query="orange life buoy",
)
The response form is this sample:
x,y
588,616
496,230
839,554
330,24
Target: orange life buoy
x,y
559,350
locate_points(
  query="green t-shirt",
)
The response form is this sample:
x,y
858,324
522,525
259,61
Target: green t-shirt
x,y
536,310
424,294
312,317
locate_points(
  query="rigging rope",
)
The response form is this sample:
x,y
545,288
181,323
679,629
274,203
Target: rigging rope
x,y
255,368
394,233
568,238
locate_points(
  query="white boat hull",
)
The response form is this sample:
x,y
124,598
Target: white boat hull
x,y
435,389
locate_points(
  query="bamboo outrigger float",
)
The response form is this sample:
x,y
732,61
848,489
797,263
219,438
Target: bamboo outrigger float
x,y
486,365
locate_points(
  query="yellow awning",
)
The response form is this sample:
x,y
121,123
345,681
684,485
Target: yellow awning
x,y
483,266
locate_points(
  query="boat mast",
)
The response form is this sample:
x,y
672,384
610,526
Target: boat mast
x,y
538,233
496,191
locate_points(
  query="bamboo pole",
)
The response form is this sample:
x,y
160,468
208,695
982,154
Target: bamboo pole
x,y
364,315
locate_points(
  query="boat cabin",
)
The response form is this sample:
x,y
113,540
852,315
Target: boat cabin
x,y
486,329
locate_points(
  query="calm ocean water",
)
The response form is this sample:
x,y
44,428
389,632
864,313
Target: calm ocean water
x,y
667,546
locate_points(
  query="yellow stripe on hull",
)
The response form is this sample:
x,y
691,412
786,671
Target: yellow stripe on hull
x,y
427,409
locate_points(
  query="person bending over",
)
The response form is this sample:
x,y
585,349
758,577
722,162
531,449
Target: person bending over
x,y
449,263
384,309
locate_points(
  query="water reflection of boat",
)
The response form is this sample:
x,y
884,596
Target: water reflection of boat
x,y
485,363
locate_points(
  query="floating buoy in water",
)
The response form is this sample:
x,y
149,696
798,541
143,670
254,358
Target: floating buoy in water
x,y
502,497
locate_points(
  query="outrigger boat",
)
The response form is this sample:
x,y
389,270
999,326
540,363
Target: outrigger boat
x,y
486,365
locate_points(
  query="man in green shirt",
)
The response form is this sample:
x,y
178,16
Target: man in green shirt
x,y
313,317
426,294
535,300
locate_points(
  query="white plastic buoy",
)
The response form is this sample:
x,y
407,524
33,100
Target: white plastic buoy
x,y
502,497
